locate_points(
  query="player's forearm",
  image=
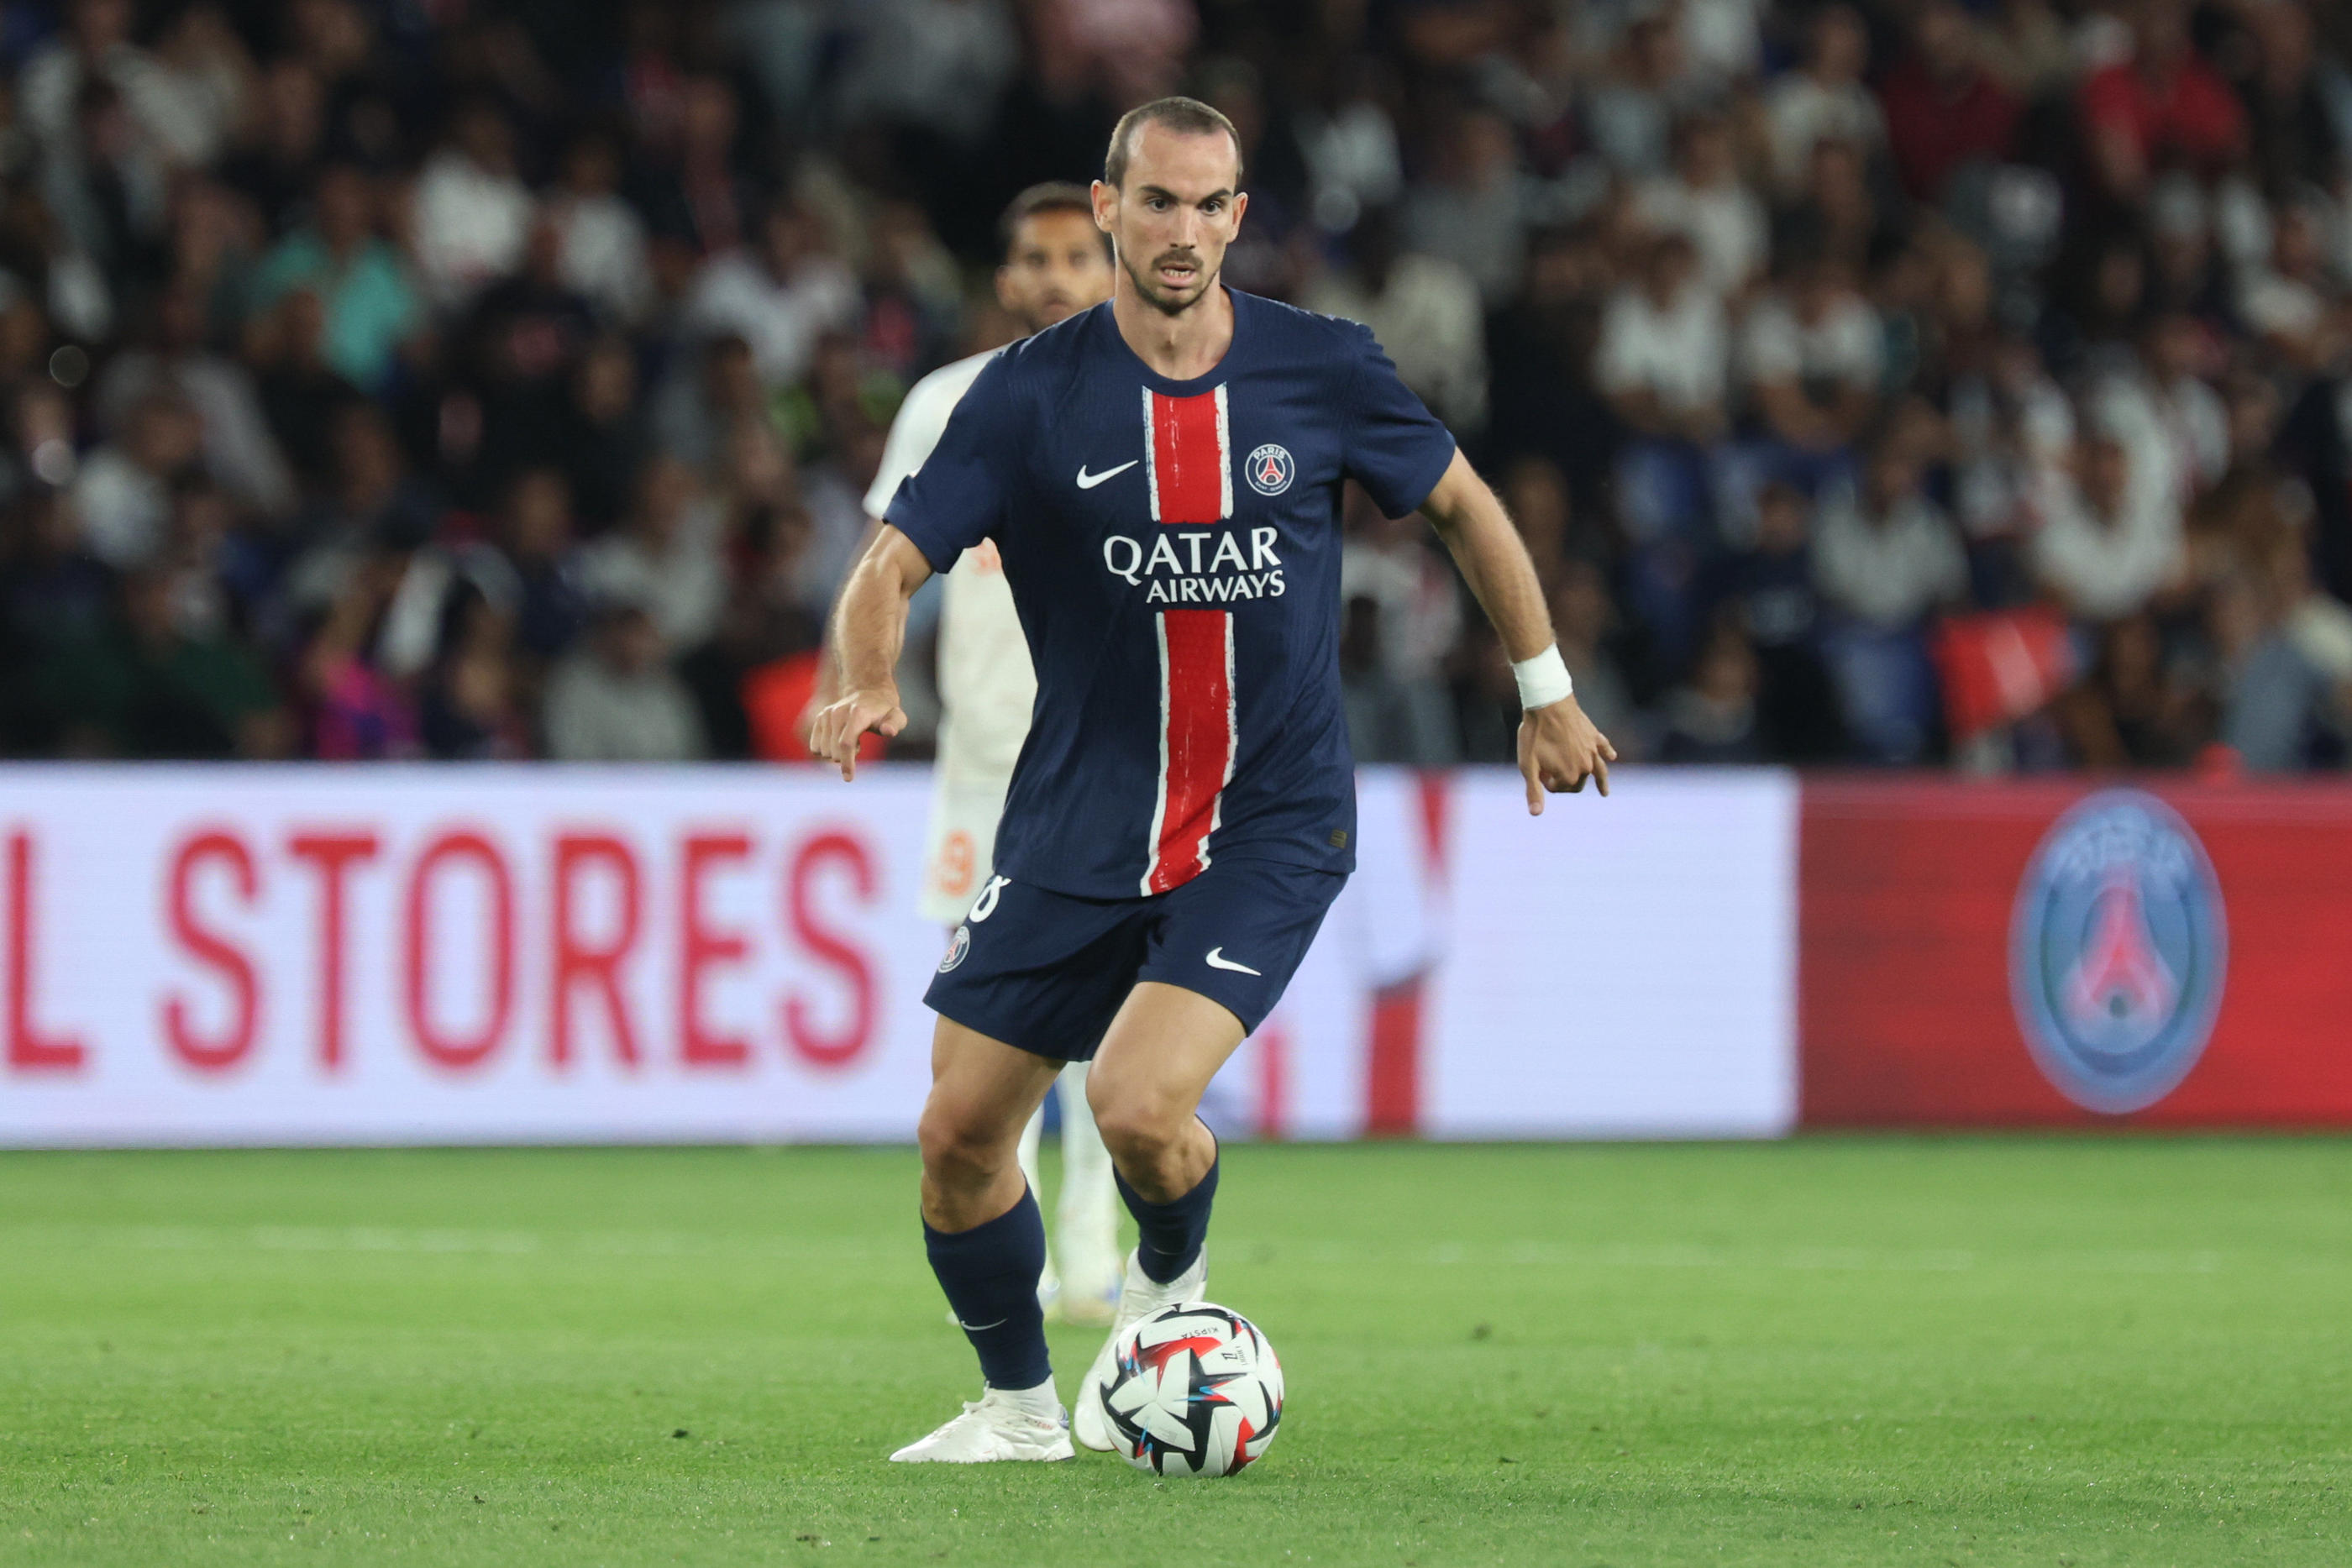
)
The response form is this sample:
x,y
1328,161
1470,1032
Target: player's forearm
x,y
869,626
828,669
870,629
1493,560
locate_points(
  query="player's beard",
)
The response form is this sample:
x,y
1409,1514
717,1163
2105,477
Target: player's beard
x,y
1160,300
1051,310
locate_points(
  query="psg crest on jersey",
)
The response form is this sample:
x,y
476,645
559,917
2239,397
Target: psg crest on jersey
x,y
2117,952
1270,469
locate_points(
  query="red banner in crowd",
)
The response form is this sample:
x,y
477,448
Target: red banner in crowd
x,y
1982,954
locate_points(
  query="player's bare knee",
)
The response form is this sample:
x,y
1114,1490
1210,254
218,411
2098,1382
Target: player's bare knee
x,y
1102,1092
958,1152
1139,1129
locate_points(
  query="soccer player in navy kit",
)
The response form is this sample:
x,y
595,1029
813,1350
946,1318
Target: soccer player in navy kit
x,y
1162,476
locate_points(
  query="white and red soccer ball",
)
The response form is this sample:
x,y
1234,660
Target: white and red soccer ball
x,y
1196,1390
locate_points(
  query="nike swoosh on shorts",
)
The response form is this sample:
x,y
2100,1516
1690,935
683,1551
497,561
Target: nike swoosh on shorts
x,y
1089,481
1217,960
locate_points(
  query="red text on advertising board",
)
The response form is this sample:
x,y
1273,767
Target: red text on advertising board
x,y
474,925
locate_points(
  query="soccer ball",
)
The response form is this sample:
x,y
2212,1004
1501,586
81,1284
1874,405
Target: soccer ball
x,y
1196,1392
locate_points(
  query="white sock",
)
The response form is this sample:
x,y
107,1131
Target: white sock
x,y
1040,1400
1085,1224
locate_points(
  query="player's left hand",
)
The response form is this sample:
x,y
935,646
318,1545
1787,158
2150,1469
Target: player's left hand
x,y
823,692
842,724
1558,750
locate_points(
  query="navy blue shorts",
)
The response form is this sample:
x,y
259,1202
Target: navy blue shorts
x,y
1046,971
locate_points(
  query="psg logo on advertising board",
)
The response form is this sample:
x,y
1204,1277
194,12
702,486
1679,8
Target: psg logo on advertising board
x,y
1270,469
2117,952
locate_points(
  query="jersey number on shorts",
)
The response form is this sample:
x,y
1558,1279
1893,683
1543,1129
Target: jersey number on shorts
x,y
985,904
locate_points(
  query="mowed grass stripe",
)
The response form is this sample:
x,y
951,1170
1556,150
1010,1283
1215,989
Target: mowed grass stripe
x,y
1835,1351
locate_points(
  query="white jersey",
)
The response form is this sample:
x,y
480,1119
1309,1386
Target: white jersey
x,y
986,683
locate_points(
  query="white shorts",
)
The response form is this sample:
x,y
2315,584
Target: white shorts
x,y
961,845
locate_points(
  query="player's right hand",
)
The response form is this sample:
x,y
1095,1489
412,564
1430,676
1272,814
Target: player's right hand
x,y
842,723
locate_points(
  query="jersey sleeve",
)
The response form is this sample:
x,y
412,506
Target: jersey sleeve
x,y
1397,450
957,497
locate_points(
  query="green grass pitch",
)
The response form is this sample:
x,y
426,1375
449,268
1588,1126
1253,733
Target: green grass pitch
x,y
2116,1351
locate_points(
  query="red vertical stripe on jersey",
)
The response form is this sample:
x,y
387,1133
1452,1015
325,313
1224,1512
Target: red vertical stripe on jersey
x,y
1188,459
1190,481
1196,741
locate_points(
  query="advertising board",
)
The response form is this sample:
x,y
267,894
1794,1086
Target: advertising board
x,y
387,954
2078,953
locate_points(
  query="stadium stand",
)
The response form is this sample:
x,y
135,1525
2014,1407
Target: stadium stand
x,y
1919,383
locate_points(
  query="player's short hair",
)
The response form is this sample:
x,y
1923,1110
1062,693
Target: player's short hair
x,y
1051,196
1188,116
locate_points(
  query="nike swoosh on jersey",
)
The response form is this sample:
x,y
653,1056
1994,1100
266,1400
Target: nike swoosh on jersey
x,y
981,1328
1217,960
1089,481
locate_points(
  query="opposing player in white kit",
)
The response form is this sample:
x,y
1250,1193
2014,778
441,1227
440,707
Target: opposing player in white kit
x,y
1056,262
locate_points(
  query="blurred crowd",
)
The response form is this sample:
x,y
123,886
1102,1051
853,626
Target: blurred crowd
x,y
1911,382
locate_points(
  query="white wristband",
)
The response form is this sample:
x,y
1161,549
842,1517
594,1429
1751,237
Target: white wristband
x,y
1543,680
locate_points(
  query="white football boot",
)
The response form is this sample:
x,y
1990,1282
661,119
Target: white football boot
x,y
1002,1424
1092,1308
1142,1296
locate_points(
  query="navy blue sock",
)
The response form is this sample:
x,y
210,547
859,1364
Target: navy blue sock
x,y
1170,1234
990,1273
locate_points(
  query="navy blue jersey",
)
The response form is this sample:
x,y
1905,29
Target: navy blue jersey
x,y
1173,549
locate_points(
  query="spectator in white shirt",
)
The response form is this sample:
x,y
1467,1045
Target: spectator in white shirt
x,y
1721,38
2009,421
238,448
2160,389
668,557
1402,618
1662,349
1350,144
2109,537
108,188
617,699
1706,199
96,45
123,489
473,216
208,80
604,241
1824,97
1473,209
1813,352
1883,554
942,63
780,298
2292,304
1630,112
1424,310
1883,558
